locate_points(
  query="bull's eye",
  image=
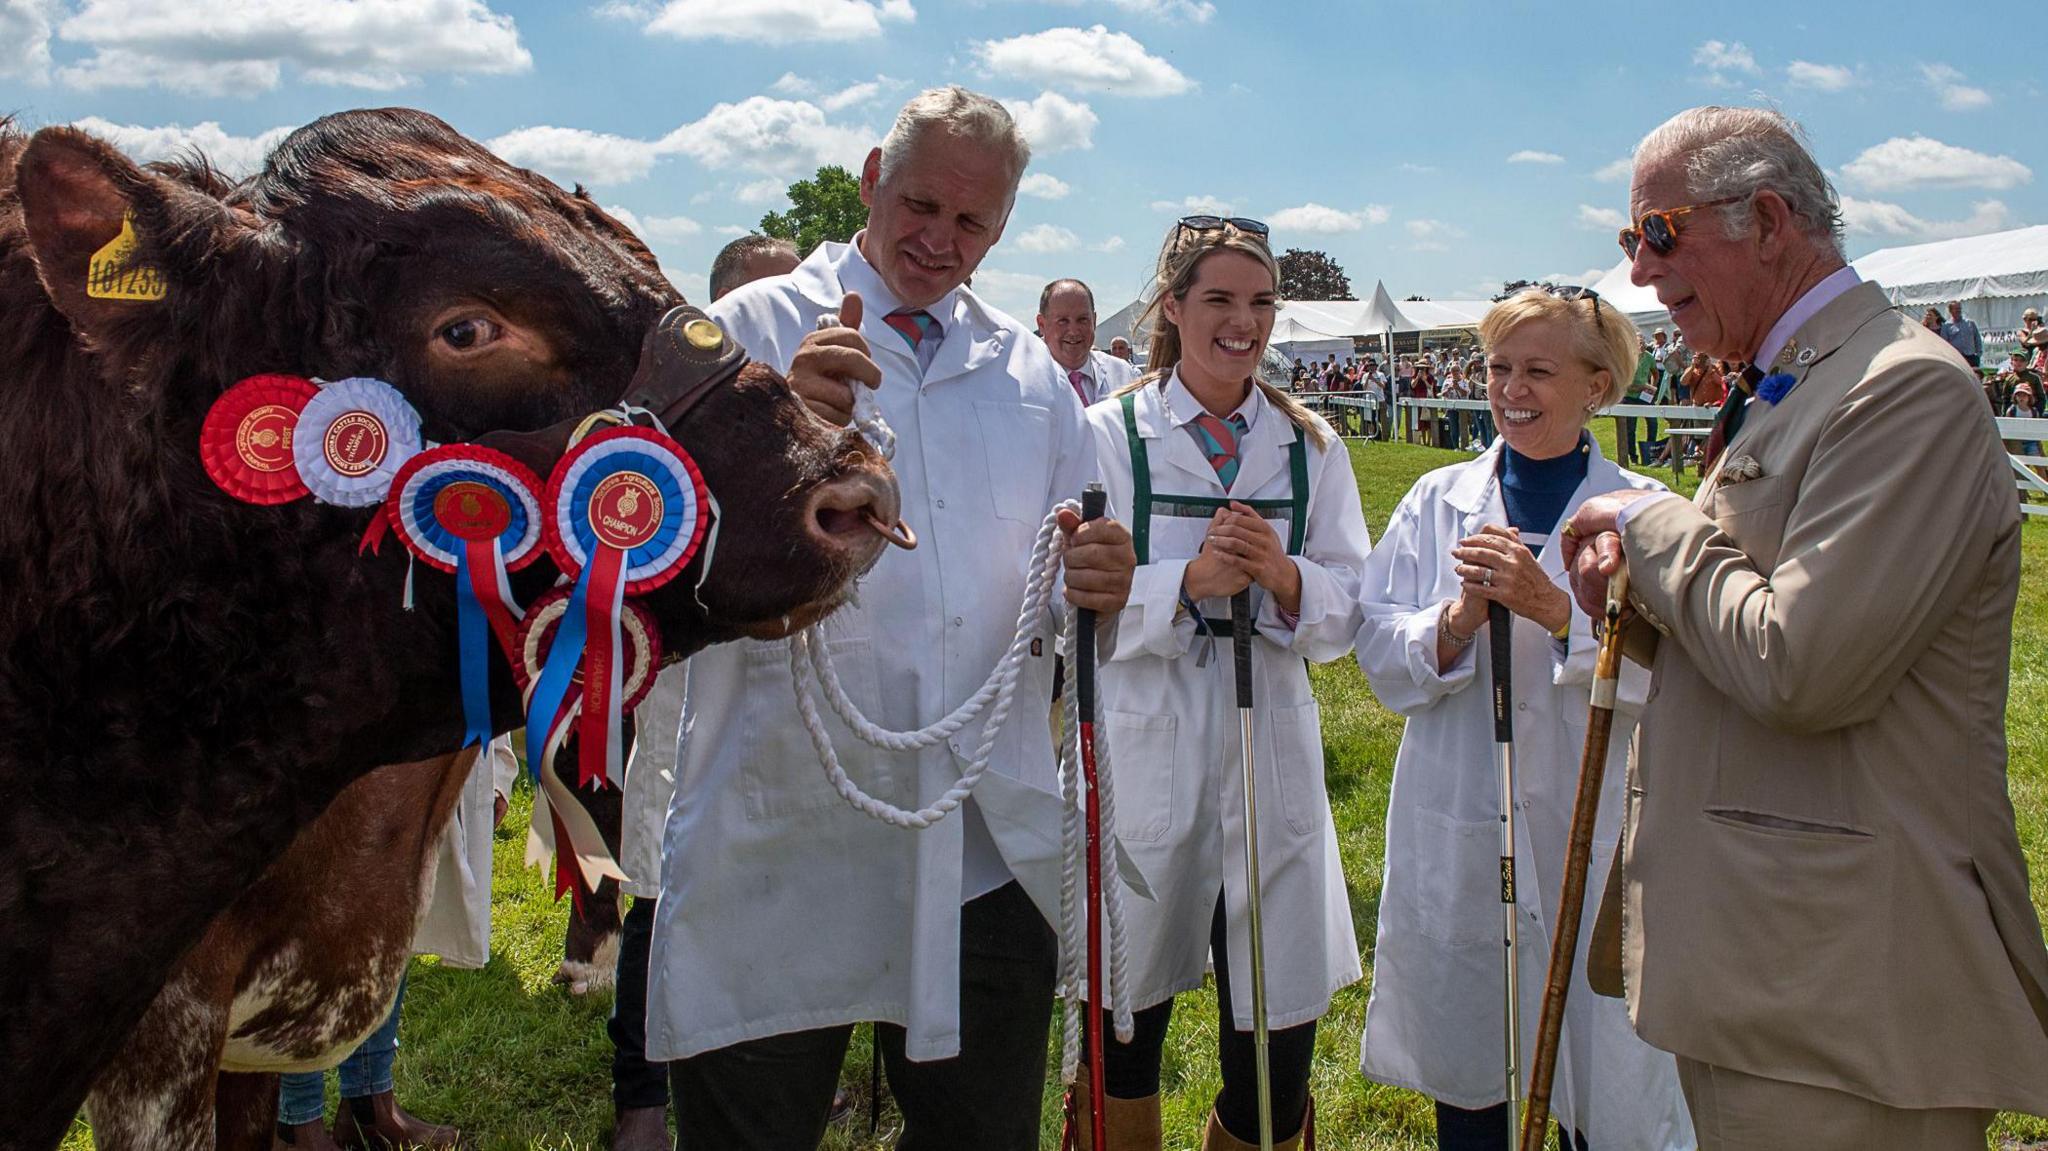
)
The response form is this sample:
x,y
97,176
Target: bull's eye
x,y
469,334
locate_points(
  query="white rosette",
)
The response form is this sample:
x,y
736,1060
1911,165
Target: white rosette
x,y
351,440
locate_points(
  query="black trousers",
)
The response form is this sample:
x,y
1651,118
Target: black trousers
x,y
635,1081
1131,1070
774,1094
1487,1130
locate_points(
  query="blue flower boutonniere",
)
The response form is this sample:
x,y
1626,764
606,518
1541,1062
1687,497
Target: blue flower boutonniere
x,y
1773,387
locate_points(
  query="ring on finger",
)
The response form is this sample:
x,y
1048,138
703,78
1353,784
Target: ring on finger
x,y
1487,576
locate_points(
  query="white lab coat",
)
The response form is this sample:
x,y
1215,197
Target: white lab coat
x,y
1172,726
651,782
1110,372
1435,1021
455,919
782,908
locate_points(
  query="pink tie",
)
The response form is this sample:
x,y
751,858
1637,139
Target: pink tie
x,y
1079,379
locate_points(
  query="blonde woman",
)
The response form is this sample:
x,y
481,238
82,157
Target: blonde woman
x,y
1227,483
1464,537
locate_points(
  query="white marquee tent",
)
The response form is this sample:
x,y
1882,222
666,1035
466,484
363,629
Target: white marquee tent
x,y
1996,276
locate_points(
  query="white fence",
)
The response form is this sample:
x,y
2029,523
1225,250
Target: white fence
x,y
2023,438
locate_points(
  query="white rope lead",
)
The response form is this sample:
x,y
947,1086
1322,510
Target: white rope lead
x,y
811,668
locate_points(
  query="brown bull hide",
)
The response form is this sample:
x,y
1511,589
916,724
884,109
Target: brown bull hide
x,y
186,681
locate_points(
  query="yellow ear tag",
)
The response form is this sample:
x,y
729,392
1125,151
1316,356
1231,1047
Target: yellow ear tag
x,y
110,275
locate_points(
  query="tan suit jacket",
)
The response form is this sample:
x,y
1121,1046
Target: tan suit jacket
x,y
1820,880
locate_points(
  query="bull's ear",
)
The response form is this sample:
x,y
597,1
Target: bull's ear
x,y
106,234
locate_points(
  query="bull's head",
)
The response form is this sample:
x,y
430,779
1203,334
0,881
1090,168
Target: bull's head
x,y
385,244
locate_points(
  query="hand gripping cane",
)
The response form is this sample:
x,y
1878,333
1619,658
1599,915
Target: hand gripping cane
x,y
1564,941
1500,626
1241,649
1093,501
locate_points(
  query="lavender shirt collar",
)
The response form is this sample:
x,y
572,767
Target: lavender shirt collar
x,y
1809,305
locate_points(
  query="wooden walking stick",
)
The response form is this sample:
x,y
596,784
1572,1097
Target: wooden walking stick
x,y
1564,941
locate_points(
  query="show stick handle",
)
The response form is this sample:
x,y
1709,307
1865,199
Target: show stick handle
x,y
1094,502
1241,643
1500,637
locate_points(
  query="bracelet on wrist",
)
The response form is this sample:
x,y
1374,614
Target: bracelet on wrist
x,y
1450,635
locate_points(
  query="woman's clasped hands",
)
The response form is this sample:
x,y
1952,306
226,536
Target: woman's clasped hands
x,y
1241,549
1494,566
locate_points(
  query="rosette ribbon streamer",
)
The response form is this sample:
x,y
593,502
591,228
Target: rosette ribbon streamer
x,y
626,509
475,513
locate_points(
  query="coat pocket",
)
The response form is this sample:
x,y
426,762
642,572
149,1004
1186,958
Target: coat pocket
x,y
1141,755
1457,880
779,770
1016,440
1298,765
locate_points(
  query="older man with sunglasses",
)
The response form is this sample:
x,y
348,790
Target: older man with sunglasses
x,y
1823,909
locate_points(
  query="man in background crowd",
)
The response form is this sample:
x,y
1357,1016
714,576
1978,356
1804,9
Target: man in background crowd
x,y
749,258
1121,349
1066,322
1962,335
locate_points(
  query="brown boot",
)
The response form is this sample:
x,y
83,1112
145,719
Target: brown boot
x,y
1217,1139
641,1129
1127,1124
303,1137
378,1123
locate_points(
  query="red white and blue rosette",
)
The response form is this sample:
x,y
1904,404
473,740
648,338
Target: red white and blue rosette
x,y
476,513
625,510
351,440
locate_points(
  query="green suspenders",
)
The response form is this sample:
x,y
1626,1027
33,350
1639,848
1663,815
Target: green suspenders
x,y
1144,504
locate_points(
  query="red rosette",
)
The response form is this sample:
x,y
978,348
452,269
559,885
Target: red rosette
x,y
245,442
636,626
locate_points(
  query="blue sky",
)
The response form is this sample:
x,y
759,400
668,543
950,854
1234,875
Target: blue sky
x,y
1441,147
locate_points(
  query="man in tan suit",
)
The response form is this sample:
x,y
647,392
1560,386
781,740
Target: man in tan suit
x,y
1823,906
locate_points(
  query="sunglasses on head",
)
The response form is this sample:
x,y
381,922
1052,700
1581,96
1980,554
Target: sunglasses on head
x,y
1660,229
1211,223
1572,292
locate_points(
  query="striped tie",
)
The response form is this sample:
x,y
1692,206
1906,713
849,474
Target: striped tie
x,y
1079,379
1218,440
912,326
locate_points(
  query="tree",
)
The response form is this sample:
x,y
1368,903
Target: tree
x,y
825,207
1511,287
1311,275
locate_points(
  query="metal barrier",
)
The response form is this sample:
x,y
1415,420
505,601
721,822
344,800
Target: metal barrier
x,y
2030,468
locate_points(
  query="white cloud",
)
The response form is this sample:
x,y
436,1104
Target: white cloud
x,y
1013,292
1053,123
1313,217
1432,235
791,84
764,191
1195,206
1193,11
732,230
25,40
850,96
1591,217
1725,63
1948,86
774,21
1879,218
1113,244
1043,186
575,156
770,136
1819,77
1088,60
1418,169
1920,162
233,155
1047,238
655,229
242,49
1531,156
1616,172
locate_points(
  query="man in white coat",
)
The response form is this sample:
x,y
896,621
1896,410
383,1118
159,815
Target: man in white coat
x,y
786,916
1066,322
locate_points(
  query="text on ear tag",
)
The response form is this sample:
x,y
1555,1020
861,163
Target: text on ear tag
x,y
110,276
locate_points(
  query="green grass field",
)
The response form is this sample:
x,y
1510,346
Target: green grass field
x,y
519,1064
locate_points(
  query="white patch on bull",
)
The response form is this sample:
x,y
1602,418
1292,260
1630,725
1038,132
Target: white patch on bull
x,y
596,974
329,1020
156,1095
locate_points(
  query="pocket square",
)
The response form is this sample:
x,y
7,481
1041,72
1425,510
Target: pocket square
x,y
1741,470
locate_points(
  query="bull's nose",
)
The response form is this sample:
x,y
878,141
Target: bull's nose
x,y
858,511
